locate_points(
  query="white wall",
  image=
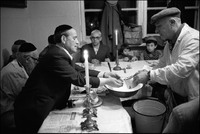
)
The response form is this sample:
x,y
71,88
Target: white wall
x,y
36,22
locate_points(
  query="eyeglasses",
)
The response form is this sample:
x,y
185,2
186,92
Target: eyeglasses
x,y
35,59
95,38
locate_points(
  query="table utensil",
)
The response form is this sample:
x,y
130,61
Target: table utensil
x,y
109,66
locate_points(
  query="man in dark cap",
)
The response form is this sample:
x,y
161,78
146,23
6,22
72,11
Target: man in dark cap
x,y
178,67
49,85
14,49
28,57
13,78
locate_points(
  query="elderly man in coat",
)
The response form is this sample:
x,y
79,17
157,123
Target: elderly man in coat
x,y
179,66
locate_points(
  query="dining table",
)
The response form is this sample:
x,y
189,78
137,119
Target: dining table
x,y
129,69
111,115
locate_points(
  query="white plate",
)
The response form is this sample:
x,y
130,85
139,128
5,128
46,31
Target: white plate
x,y
124,88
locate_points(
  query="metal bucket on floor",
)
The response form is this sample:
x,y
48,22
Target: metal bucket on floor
x,y
149,115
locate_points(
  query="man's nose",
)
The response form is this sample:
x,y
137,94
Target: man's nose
x,y
77,42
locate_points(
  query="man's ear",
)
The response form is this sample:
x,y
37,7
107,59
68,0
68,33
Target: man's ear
x,y
18,54
63,39
100,39
172,21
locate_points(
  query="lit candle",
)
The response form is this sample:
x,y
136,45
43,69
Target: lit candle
x,y
116,37
86,68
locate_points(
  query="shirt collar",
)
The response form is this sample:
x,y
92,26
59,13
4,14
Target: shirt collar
x,y
173,41
65,52
96,48
21,66
19,63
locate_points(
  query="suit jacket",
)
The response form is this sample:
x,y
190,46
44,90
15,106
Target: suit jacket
x,y
102,53
48,88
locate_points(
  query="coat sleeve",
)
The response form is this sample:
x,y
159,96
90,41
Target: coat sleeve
x,y
61,67
182,68
93,73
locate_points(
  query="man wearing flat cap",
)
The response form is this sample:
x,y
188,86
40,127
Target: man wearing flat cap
x,y
178,67
13,78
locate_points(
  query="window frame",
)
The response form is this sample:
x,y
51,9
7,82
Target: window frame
x,y
196,21
141,10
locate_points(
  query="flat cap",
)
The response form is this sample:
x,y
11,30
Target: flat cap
x,y
150,39
173,11
27,47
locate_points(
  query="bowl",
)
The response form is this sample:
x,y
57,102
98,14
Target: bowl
x,y
124,91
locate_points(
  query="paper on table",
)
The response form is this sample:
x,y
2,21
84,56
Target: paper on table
x,y
58,122
62,122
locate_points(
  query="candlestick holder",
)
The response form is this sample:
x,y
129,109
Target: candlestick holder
x,y
87,101
92,99
90,110
89,124
117,67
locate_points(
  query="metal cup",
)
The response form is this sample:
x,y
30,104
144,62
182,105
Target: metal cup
x,y
130,82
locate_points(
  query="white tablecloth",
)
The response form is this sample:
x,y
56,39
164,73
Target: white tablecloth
x,y
111,118
135,66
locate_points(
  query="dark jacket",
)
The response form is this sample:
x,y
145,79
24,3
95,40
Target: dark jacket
x,y
48,88
102,53
111,21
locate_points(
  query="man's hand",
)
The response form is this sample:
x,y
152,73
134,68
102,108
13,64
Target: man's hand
x,y
134,58
113,82
141,77
96,62
126,59
107,60
111,74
